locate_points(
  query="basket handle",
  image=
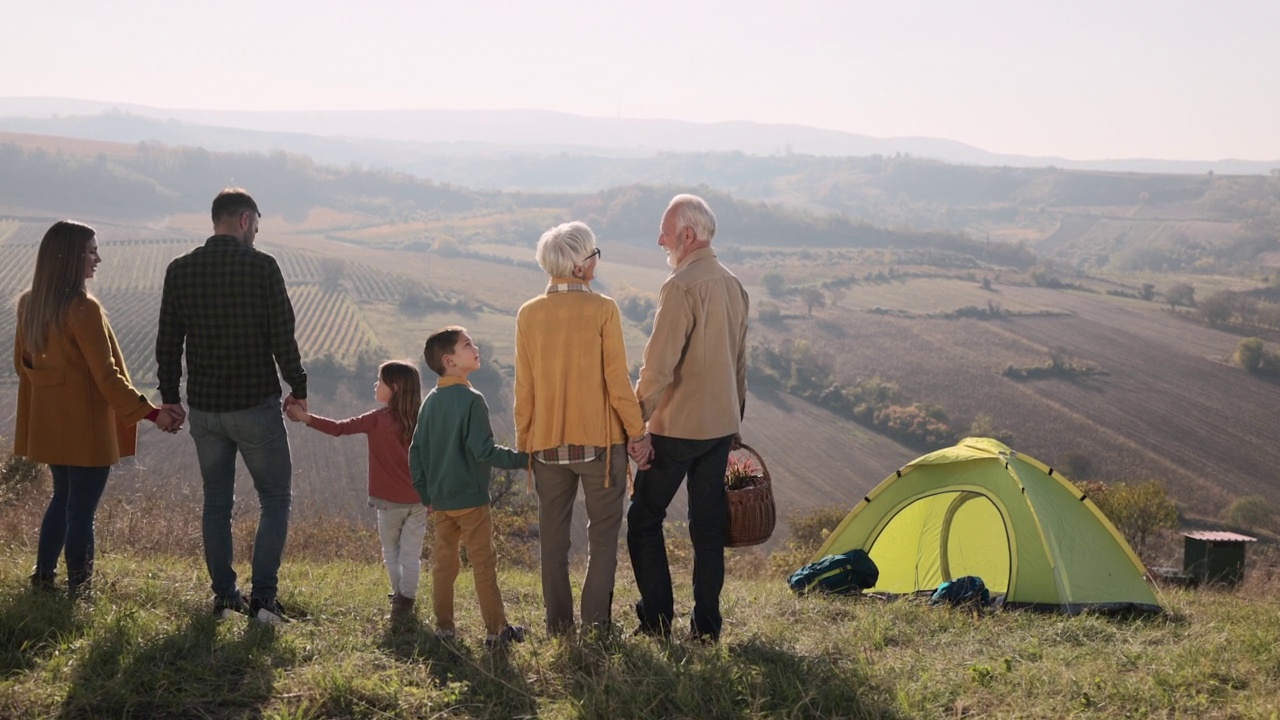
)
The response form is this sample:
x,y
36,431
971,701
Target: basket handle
x,y
763,468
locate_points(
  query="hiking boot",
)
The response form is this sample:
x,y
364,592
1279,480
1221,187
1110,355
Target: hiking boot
x,y
226,608
44,582
660,630
401,608
268,612
80,586
704,638
509,634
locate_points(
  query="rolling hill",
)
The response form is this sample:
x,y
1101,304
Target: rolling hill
x,y
374,261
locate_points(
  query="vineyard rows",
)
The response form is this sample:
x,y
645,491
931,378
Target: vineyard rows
x,y
130,279
136,266
6,227
368,284
25,234
135,316
17,262
328,323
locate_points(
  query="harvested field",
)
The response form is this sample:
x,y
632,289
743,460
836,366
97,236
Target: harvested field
x,y
1164,405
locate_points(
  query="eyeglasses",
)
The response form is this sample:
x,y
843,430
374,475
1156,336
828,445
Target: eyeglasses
x,y
594,254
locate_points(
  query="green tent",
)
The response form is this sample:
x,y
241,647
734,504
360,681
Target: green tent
x,y
979,508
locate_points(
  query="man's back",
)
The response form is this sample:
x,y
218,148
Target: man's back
x,y
228,304
693,381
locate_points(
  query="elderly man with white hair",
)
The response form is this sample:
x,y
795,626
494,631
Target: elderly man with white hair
x,y
575,411
692,391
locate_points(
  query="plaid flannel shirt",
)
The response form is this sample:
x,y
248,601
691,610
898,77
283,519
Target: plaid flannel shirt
x,y
567,454
228,304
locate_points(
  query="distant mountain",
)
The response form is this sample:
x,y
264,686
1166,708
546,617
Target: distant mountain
x,y
380,137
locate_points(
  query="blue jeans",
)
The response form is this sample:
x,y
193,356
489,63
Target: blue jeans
x,y
703,461
68,522
259,436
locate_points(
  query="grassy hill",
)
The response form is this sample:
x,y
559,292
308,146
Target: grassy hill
x,y
145,646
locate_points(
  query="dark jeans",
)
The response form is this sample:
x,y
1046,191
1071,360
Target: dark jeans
x,y
703,461
68,522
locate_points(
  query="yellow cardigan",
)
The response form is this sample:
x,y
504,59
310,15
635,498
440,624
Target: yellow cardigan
x,y
76,403
572,386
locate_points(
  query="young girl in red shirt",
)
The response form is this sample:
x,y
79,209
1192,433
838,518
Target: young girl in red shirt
x,y
402,518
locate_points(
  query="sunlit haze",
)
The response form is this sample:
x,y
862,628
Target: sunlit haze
x,y
1173,79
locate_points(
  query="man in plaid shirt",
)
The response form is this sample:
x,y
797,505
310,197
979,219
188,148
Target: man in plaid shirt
x,y
227,303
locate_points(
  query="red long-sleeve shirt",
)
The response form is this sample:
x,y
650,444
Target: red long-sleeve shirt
x,y
388,452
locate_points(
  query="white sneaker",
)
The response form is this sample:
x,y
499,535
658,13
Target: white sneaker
x,y
268,611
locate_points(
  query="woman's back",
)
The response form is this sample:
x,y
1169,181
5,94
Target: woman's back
x,y
571,365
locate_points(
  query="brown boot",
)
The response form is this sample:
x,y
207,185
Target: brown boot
x,y
401,607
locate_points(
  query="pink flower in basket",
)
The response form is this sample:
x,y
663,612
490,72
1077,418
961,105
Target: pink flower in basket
x,y
742,474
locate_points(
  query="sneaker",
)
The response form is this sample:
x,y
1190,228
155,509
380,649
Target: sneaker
x,y
268,612
225,608
509,634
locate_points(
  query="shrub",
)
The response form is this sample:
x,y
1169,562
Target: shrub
x,y
1077,466
1180,294
1218,308
17,474
1138,510
769,313
1249,512
808,532
1251,354
774,283
984,426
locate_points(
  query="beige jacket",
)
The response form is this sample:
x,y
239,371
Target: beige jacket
x,y
693,383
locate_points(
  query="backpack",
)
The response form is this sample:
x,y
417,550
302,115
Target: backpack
x,y
845,574
961,591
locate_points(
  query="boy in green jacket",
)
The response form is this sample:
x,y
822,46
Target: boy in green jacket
x,y
449,460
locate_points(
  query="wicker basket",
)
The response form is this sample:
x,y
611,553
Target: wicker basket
x,y
752,513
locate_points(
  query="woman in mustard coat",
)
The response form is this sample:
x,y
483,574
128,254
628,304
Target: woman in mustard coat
x,y
575,411
77,408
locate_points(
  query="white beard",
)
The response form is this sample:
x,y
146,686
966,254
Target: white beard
x,y
672,253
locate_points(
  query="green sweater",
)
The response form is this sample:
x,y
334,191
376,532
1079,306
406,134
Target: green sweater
x,y
453,448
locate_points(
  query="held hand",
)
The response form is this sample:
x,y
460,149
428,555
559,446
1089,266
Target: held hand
x,y
298,414
171,418
167,422
736,443
176,410
641,451
290,400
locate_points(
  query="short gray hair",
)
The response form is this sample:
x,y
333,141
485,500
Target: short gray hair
x,y
692,211
563,247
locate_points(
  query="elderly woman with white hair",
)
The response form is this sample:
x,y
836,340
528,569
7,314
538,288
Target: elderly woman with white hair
x,y
575,411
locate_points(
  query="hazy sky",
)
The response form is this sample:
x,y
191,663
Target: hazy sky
x,y
1085,79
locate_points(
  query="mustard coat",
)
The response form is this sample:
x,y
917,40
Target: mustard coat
x,y
572,386
76,403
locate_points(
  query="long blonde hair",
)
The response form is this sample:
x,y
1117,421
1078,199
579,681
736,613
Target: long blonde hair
x,y
57,282
406,394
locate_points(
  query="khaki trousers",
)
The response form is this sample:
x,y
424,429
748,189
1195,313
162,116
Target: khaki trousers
x,y
471,528
557,487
